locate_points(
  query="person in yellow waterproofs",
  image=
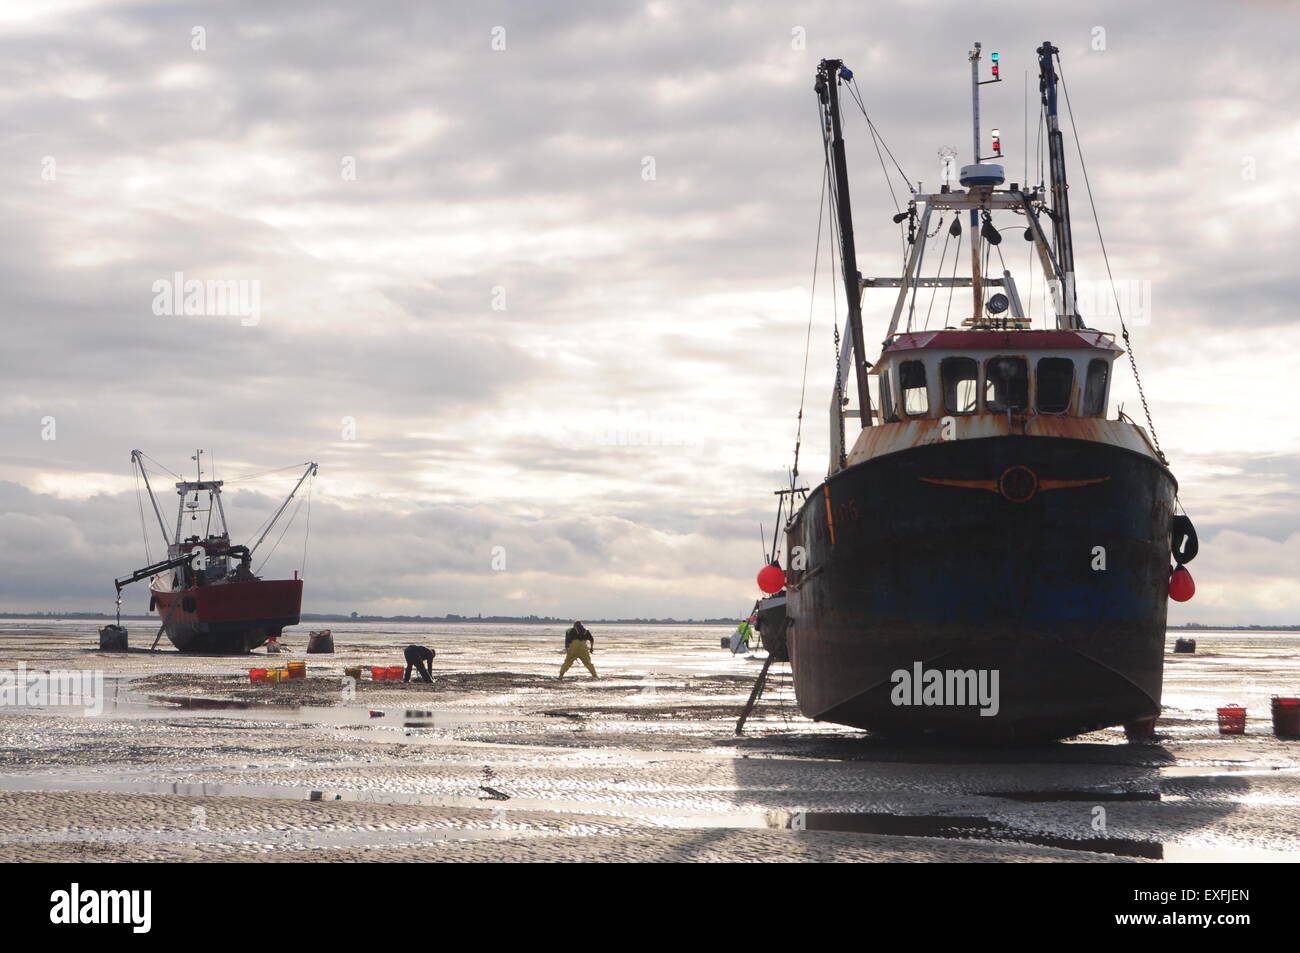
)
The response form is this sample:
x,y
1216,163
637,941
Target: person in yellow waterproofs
x,y
578,645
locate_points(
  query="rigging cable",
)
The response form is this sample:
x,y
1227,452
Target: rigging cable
x,y
857,95
207,531
1005,271
1001,260
144,529
161,467
947,315
1106,258
812,303
1025,134
939,274
262,526
1042,127
878,141
253,476
306,534
292,517
265,525
916,279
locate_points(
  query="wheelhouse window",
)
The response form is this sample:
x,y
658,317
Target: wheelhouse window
x,y
1055,384
886,400
1006,384
911,381
1094,392
960,376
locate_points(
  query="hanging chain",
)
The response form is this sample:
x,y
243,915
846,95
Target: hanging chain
x,y
839,393
1128,345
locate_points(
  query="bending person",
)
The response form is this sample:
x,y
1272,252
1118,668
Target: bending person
x,y
418,657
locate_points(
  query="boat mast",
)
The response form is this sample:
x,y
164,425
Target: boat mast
x,y
1062,237
828,79
978,235
976,242
136,456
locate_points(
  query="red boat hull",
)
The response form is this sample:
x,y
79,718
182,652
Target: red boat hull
x,y
228,618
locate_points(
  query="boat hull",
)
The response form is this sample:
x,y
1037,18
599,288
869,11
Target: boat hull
x,y
771,626
228,618
1043,560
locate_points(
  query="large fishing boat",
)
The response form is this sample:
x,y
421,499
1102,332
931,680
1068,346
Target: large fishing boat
x,y
207,596
989,557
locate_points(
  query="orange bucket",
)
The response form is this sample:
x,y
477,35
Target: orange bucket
x,y
379,673
1286,717
257,674
297,669
1232,720
395,673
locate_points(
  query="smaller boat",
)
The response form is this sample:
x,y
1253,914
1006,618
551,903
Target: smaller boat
x,y
770,610
206,593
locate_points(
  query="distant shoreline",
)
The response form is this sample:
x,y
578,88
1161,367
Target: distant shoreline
x,y
313,617
552,620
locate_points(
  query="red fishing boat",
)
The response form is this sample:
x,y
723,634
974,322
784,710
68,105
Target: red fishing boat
x,y
206,594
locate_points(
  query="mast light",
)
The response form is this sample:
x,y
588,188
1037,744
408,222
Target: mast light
x,y
997,142
994,58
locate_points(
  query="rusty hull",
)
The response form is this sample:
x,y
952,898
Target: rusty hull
x,y
981,553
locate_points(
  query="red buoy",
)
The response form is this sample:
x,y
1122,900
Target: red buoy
x,y
771,579
1181,586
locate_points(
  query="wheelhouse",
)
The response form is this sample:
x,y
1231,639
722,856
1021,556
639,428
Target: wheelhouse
x,y
1018,373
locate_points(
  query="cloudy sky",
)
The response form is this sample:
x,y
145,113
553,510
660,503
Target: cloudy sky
x,y
534,278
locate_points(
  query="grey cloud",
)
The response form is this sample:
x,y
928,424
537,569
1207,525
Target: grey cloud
x,y
606,275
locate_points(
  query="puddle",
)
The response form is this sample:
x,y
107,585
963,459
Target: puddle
x,y
1098,797
1228,855
419,719
956,828
1205,771
983,828
118,701
202,704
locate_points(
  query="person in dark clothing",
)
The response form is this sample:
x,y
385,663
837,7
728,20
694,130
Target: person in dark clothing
x,y
578,645
418,657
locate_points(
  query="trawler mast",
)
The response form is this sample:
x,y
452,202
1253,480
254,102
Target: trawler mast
x,y
829,73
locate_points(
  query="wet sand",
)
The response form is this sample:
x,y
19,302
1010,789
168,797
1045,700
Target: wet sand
x,y
499,760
